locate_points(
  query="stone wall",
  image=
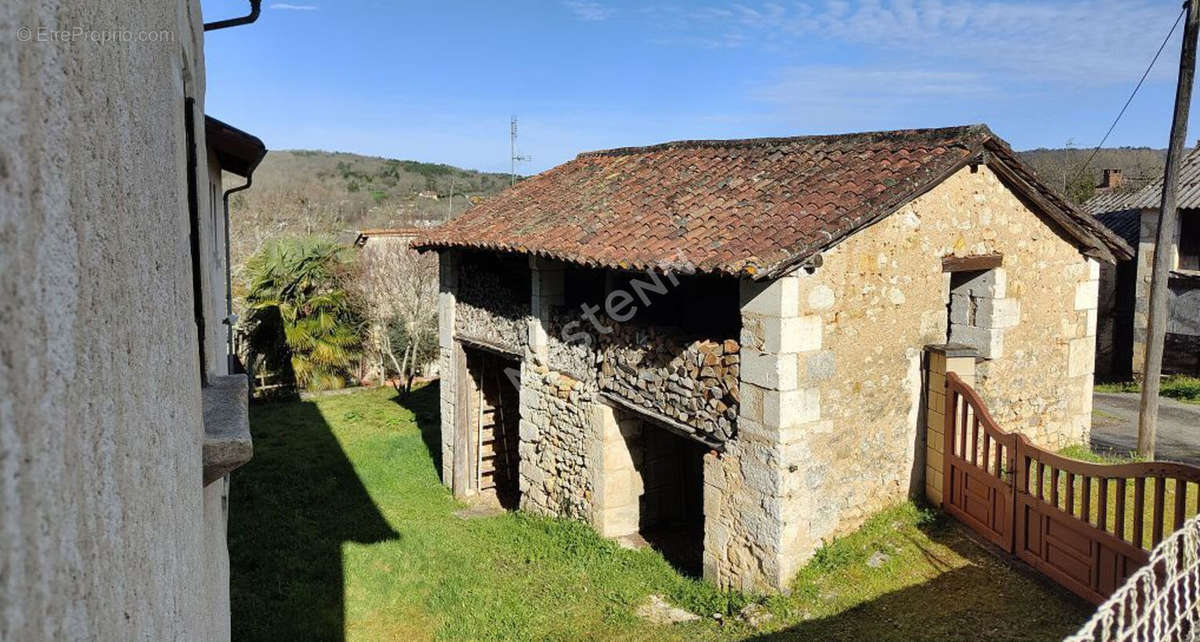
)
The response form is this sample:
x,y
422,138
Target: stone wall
x,y
881,296
693,381
556,437
831,426
106,531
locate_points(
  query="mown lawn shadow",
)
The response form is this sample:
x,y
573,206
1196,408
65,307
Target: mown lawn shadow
x,y
291,511
425,404
991,598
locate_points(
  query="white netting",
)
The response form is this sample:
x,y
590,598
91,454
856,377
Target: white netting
x,y
1158,603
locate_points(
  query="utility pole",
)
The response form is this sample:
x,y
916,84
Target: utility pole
x,y
515,157
450,205
1164,245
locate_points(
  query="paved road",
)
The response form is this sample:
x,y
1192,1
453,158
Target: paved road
x,y
1114,426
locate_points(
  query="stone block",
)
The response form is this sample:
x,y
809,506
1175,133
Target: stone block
x,y
1091,322
787,408
1093,269
446,319
992,283
792,334
989,343
529,431
712,500
769,370
617,521
997,313
751,406
777,298
1081,358
1087,295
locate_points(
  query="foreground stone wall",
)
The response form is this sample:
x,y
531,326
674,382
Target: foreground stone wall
x,y
105,529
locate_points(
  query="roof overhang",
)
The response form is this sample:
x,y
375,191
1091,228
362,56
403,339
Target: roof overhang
x,y
237,152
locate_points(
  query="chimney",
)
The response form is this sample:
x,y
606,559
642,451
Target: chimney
x,y
1111,180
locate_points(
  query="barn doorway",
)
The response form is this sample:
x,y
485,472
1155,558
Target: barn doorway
x,y
493,418
671,508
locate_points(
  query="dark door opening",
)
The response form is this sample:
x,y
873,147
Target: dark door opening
x,y
493,413
671,517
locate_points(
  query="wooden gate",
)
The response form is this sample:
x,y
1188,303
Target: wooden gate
x,y
978,466
1087,526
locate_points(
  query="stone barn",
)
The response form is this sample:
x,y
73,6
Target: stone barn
x,y
720,346
1125,288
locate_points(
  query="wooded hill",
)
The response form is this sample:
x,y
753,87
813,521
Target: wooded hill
x,y
335,194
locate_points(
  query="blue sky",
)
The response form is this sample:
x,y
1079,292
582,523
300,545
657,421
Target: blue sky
x,y
438,81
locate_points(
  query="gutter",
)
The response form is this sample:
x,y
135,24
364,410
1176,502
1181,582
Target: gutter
x,y
255,8
231,318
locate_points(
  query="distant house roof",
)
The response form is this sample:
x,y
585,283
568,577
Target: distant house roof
x,y
237,151
400,232
1126,224
1150,196
754,207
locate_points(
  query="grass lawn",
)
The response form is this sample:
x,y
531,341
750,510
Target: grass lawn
x,y
339,528
1170,488
1185,389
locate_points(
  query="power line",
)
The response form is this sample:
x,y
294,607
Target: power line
x,y
1113,126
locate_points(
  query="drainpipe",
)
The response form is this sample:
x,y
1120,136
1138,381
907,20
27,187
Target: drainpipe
x,y
255,6
230,317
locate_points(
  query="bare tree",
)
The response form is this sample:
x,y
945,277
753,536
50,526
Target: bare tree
x,y
398,289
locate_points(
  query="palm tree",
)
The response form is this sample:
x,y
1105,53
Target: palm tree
x,y
299,318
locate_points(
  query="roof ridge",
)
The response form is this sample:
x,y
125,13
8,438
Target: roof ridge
x,y
975,128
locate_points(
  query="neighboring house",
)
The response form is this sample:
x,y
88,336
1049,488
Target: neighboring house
x,y
400,235
719,346
119,421
1125,288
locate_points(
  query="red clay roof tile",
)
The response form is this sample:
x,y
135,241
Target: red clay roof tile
x,y
753,207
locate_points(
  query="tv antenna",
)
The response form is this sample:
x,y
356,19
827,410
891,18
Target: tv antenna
x,y
516,158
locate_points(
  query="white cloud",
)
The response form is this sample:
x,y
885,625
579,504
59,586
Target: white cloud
x,y
294,7
1079,42
589,11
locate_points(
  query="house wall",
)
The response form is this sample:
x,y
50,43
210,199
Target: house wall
x,y
832,359
105,529
1182,353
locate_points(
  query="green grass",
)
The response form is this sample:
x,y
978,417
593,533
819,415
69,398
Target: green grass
x,y
339,527
1185,389
1170,488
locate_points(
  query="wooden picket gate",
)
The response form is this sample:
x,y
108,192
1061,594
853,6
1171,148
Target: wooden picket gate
x,y
1086,526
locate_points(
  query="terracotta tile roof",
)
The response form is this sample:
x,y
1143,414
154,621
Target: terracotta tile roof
x,y
752,207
